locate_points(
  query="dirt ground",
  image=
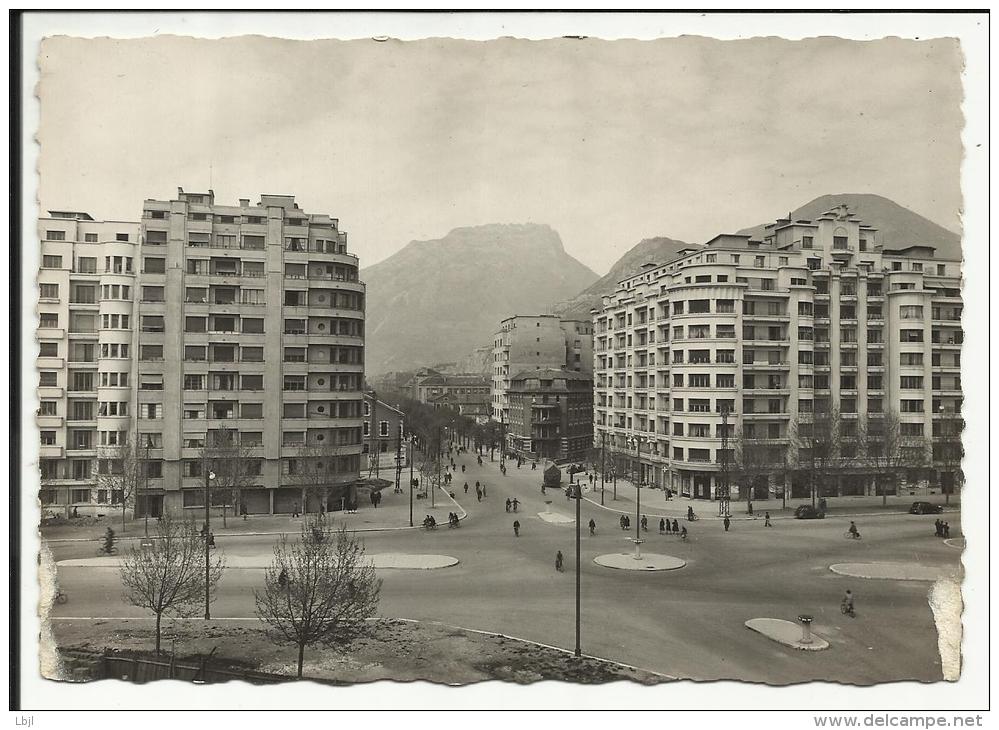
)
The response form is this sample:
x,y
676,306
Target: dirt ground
x,y
392,649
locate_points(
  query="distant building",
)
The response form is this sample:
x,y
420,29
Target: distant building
x,y
428,386
473,405
551,414
535,342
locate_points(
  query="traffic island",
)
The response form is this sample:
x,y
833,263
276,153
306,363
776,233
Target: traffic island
x,y
555,518
955,542
891,571
402,561
648,562
788,633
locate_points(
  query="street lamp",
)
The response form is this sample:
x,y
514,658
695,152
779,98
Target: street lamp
x,y
636,441
209,476
412,448
578,491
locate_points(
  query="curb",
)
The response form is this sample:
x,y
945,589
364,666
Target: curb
x,y
118,538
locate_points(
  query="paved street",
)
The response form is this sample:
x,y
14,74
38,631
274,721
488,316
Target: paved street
x,y
685,623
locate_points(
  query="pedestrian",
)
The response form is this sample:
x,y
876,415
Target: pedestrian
x,y
534,466
726,522
466,487
558,561
483,489
627,522
296,512
750,506
946,530
766,519
683,532
478,494
676,527
662,526
508,504
938,525
645,523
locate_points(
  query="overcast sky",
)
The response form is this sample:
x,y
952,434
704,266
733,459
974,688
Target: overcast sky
x,y
608,142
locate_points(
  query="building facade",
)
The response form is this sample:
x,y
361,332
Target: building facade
x,y
551,415
436,388
87,287
534,342
384,432
243,319
743,342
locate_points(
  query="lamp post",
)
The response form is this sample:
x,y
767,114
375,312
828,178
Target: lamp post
x,y
209,476
603,464
409,455
579,499
637,442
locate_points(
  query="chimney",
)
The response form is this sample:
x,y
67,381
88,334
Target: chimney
x,y
244,202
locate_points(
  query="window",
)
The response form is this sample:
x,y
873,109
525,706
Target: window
x,y
254,243
48,291
807,242
195,324
48,408
916,266
251,410
48,319
874,405
251,354
252,325
153,265
151,411
758,262
700,306
90,238
725,356
912,406
151,352
725,331
55,235
848,382
911,382
910,335
51,262
874,360
910,358
840,242
805,357
152,323
152,293
251,382
700,380
678,308
910,311
293,438
875,382
725,381
194,382
875,336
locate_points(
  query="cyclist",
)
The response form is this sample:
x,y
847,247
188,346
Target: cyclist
x,y
853,532
846,605
515,503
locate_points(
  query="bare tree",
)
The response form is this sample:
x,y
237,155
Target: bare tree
x,y
949,451
233,464
169,577
319,589
318,469
123,471
755,459
817,438
881,436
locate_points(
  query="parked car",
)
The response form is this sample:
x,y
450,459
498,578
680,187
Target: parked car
x,y
925,508
808,512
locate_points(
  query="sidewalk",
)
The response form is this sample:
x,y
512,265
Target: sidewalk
x,y
654,503
391,514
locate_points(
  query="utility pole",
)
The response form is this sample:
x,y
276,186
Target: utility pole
x,y
398,460
433,493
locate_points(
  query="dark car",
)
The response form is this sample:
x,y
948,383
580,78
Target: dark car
x,y
808,512
925,508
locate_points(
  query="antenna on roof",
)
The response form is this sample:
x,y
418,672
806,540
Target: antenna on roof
x,y
210,171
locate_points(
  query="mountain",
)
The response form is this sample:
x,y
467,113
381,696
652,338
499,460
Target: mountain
x,y
650,250
436,301
897,226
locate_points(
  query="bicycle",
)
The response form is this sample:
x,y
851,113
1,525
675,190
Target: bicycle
x,y
846,608
60,597
851,535
102,550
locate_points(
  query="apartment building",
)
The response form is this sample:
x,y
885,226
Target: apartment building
x,y
86,288
206,318
744,339
535,342
551,415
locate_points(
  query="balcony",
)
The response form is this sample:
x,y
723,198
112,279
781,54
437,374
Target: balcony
x,y
760,365
50,451
46,422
